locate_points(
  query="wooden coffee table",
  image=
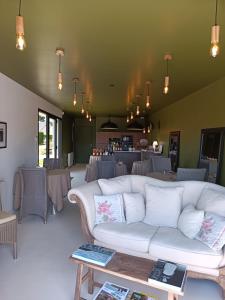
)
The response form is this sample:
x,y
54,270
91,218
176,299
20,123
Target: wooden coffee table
x,y
124,266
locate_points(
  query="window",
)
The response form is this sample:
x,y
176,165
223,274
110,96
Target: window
x,y
47,136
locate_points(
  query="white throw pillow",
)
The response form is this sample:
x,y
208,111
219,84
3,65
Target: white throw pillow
x,y
134,207
163,205
212,201
212,232
115,186
109,209
190,221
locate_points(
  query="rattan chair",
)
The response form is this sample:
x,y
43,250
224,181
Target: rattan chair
x,y
160,164
34,197
106,169
52,163
191,174
8,229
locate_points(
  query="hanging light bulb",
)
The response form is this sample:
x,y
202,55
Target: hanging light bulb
x,y
131,115
215,32
90,119
82,109
128,119
138,110
82,103
144,131
87,115
60,52
75,80
148,129
20,40
167,58
148,95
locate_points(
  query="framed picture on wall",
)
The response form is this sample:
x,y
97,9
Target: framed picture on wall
x,y
174,149
3,134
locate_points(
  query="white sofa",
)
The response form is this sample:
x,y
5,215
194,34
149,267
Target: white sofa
x,y
148,241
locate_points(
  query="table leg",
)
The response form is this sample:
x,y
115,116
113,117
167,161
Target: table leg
x,y
91,281
172,296
78,281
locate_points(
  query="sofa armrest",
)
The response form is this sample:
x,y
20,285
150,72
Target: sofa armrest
x,y
84,197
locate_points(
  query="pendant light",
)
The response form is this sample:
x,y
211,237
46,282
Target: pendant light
x,y
144,131
128,119
215,31
87,115
167,58
90,119
75,80
148,104
131,115
20,40
60,52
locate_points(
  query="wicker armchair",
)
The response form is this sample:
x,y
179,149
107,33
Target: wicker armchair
x,y
8,229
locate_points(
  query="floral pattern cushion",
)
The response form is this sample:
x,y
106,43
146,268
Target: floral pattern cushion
x,y
109,209
212,232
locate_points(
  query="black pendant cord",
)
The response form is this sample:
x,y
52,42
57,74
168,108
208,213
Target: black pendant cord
x,y
75,87
216,12
20,7
167,72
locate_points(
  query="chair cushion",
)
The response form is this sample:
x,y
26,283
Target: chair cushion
x,y
116,185
171,244
163,205
190,221
109,208
6,217
135,236
134,204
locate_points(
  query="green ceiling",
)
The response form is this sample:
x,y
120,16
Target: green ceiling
x,y
121,42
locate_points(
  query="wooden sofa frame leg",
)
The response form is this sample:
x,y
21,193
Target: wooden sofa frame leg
x,y
90,239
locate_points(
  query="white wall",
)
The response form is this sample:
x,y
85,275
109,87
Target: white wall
x,y
19,108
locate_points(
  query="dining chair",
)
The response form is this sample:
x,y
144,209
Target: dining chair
x,y
34,197
191,174
106,169
160,164
142,167
8,229
107,158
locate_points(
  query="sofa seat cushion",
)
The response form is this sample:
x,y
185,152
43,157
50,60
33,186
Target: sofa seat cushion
x,y
171,244
134,236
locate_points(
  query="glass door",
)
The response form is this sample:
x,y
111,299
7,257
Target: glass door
x,y
47,136
42,137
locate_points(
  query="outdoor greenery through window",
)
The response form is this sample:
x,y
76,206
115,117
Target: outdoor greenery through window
x,y
47,136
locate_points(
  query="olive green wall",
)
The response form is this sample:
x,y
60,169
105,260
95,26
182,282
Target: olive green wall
x,y
203,109
67,143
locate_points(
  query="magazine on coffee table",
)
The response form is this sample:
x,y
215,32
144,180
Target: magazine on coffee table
x,y
142,296
94,254
169,275
111,291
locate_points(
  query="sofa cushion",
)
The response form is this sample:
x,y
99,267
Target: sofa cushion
x,y
212,201
109,208
134,204
190,221
163,205
171,244
135,236
117,185
212,232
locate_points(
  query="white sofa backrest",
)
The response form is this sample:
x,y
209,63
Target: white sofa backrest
x,y
136,183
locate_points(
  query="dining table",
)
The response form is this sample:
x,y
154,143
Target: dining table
x,y
165,175
58,185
